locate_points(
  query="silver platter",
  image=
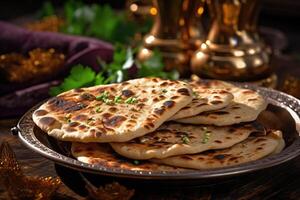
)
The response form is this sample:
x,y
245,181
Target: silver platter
x,y
282,113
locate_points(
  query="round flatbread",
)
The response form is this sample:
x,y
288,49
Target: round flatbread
x,y
246,106
112,113
177,139
204,100
103,155
251,149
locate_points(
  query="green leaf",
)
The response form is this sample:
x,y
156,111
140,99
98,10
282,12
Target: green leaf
x,y
154,67
119,54
83,74
55,91
79,76
129,59
155,61
99,79
99,21
46,10
116,71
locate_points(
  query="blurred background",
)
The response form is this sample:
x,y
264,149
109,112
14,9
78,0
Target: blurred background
x,y
282,15
47,47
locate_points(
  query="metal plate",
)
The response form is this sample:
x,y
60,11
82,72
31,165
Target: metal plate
x,y
282,113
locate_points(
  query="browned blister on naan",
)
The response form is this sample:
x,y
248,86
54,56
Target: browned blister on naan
x,y
112,113
251,149
177,139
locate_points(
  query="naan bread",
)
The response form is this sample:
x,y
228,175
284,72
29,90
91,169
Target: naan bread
x,y
204,100
177,139
251,149
112,113
103,155
281,143
246,106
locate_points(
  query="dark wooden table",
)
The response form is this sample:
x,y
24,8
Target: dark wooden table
x,y
32,163
282,183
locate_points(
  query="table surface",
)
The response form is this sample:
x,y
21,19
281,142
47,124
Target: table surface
x,y
283,183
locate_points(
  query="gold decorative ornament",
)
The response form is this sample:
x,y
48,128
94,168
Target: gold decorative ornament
x,y
141,8
49,23
233,49
39,63
18,185
291,85
176,32
113,191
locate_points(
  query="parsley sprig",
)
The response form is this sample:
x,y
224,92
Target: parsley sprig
x,y
115,72
96,20
80,76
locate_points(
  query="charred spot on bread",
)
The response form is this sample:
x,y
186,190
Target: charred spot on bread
x,y
169,104
114,121
159,111
50,122
40,112
184,91
127,93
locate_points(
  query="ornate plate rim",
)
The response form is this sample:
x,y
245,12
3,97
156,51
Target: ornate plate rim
x,y
288,102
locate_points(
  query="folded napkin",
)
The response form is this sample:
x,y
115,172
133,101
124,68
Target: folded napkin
x,y
77,49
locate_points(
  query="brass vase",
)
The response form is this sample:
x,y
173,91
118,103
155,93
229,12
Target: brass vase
x,y
176,33
233,49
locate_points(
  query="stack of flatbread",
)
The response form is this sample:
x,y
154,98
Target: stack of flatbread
x,y
161,124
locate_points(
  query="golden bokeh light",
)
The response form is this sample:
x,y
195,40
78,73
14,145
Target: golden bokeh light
x,y
134,7
153,11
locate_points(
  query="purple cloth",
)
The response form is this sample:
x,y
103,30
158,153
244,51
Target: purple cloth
x,y
16,98
77,49
17,39
18,102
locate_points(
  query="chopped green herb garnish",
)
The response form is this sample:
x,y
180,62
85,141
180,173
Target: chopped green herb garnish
x,y
164,91
68,117
81,105
204,128
98,110
206,137
136,162
131,100
90,120
185,139
108,101
118,99
195,94
102,96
